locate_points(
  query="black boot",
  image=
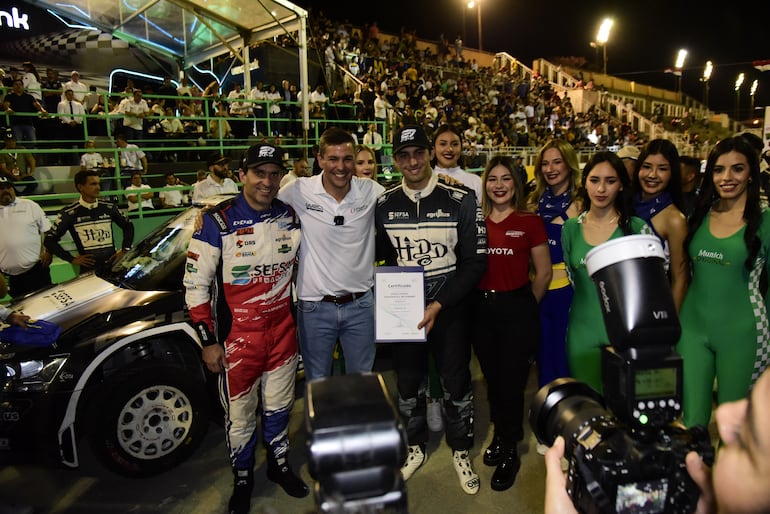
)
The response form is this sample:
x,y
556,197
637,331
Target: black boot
x,y
506,471
495,452
243,485
278,471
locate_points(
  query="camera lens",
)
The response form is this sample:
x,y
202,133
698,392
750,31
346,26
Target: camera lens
x,y
561,407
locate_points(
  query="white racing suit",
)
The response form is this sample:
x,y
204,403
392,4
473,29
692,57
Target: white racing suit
x,y
240,263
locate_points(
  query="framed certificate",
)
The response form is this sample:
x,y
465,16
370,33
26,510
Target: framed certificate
x,y
399,304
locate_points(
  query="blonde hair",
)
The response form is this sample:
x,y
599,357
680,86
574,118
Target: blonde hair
x,y
570,157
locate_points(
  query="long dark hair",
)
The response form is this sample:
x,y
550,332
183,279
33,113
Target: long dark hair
x,y
669,152
752,212
440,130
519,198
624,203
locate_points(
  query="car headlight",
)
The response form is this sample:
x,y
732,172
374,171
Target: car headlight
x,y
33,375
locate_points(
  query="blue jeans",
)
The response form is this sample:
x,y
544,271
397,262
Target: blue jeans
x,y
321,324
25,133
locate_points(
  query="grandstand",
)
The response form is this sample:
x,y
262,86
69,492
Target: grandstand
x,y
594,110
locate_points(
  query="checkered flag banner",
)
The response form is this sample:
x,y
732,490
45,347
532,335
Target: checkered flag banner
x,y
762,323
63,45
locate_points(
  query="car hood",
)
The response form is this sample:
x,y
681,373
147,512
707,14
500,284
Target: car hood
x,y
71,302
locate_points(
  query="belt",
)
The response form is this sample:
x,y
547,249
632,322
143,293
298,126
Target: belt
x,y
491,294
342,299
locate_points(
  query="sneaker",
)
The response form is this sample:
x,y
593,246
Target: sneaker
x,y
435,416
541,448
469,480
414,460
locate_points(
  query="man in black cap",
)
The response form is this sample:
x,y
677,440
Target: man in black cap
x,y
425,222
261,345
217,182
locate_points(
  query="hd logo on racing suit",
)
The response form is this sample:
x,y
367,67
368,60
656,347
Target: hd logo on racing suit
x,y
420,251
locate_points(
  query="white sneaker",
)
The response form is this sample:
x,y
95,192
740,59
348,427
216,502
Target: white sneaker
x,y
435,416
469,480
414,460
542,448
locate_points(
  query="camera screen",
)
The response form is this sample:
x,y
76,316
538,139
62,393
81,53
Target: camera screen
x,y
653,383
642,497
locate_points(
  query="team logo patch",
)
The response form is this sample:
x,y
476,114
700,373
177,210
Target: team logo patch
x,y
240,275
408,135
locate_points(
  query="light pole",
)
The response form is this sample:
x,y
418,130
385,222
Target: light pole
x,y
752,91
595,46
601,39
678,65
738,83
477,5
707,71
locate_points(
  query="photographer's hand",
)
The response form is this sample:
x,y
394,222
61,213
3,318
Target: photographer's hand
x,y
557,501
701,475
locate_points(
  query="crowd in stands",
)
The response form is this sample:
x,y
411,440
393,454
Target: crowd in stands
x,y
366,78
437,103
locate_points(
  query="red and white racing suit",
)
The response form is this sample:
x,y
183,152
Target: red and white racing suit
x,y
245,258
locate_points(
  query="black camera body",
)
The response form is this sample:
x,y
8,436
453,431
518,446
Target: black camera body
x,y
614,469
356,445
625,455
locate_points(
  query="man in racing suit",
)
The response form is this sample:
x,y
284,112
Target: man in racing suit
x,y
89,222
244,255
426,222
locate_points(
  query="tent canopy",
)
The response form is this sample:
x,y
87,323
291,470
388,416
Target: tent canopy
x,y
193,31
189,31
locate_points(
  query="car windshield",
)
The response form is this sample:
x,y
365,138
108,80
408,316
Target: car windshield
x,y
156,263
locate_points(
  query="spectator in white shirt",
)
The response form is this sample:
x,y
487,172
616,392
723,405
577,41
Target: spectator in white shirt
x,y
78,88
134,110
71,116
92,159
174,195
143,197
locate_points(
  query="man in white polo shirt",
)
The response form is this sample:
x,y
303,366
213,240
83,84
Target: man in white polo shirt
x,y
336,259
22,254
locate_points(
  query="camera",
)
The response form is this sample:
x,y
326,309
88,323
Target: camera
x,y
356,445
625,454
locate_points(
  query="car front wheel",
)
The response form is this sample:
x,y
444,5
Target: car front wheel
x,y
150,421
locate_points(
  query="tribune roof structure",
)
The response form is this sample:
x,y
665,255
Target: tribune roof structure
x,y
189,31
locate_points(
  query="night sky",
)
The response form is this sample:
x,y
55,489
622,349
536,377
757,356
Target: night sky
x,y
644,41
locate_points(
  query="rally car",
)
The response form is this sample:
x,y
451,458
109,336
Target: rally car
x,y
125,374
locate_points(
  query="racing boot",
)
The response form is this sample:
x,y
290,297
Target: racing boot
x,y
243,485
278,471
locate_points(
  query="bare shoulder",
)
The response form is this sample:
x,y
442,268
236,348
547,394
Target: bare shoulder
x,y
670,221
575,209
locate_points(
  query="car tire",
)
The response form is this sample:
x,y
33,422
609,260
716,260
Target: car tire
x,y
151,421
